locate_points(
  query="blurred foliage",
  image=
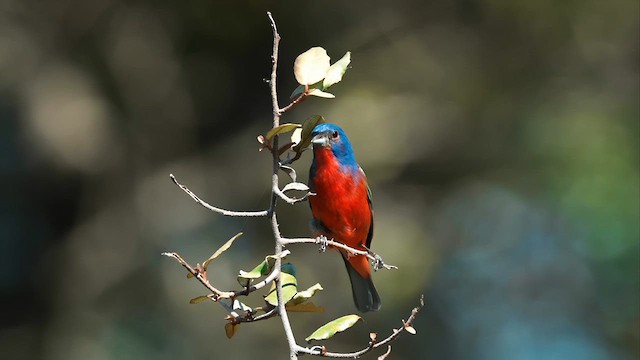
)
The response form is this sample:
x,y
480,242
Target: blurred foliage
x,y
500,139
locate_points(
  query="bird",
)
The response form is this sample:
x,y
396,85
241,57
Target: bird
x,y
341,207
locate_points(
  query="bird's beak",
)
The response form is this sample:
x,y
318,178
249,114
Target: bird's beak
x,y
320,139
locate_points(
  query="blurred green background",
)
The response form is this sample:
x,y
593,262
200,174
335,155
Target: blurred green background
x,y
500,138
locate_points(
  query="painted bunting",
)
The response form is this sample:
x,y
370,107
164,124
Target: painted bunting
x,y
341,207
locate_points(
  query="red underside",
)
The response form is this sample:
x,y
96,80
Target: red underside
x,y
341,204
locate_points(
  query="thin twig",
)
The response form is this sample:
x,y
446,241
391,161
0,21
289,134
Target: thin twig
x,y
275,273
274,185
323,242
274,71
251,317
293,103
384,356
372,345
219,294
267,315
216,209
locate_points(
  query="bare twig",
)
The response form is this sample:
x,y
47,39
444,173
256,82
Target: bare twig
x,y
275,273
274,72
219,294
252,317
274,185
293,103
323,242
384,356
321,351
267,315
216,209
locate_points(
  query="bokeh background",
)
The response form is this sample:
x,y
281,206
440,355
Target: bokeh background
x,y
500,138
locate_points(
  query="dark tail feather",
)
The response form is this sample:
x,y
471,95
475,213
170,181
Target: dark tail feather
x,y
365,295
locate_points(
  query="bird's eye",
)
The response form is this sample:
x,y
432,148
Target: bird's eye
x,y
334,135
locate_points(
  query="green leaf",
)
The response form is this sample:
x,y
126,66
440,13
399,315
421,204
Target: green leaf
x,y
282,129
297,92
289,289
245,278
222,249
307,129
198,299
311,66
331,328
305,295
262,269
300,89
320,93
336,71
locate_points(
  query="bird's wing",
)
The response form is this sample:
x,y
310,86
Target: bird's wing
x,y
369,196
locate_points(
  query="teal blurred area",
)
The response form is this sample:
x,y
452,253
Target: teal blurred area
x,y
500,139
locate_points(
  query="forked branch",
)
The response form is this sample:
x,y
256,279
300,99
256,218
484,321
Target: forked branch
x,y
373,343
220,294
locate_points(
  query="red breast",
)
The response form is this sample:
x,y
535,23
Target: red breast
x,y
341,201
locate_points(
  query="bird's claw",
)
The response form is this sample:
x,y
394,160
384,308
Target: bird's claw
x,y
377,262
322,241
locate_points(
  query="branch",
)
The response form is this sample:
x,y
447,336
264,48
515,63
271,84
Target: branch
x,y
274,71
216,209
251,316
291,340
275,273
219,294
324,242
373,344
267,315
293,103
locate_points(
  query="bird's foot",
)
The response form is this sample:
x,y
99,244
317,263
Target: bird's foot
x,y
322,241
377,262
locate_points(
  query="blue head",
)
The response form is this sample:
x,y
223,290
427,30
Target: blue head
x,y
333,137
